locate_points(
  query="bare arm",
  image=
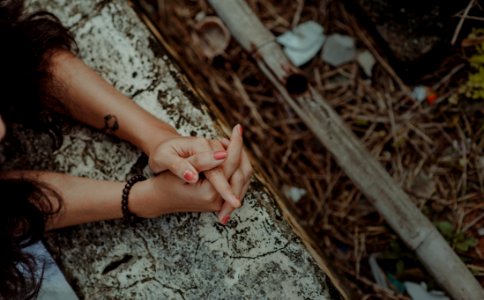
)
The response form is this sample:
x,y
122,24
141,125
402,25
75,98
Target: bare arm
x,y
93,101
87,200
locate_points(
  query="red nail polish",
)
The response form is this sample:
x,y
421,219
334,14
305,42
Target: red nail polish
x,y
241,130
188,175
225,219
220,155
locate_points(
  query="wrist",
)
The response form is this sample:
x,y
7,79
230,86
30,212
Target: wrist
x,y
127,213
139,199
152,139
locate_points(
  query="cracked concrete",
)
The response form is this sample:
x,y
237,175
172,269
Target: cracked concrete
x,y
177,256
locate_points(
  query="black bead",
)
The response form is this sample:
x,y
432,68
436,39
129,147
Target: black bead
x,y
127,215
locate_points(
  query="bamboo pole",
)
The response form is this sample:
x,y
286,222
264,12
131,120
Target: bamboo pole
x,y
364,170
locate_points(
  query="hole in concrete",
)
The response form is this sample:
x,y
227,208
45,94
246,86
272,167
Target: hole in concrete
x,y
296,84
115,264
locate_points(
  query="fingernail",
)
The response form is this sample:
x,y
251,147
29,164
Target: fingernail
x,y
225,219
241,130
220,155
188,175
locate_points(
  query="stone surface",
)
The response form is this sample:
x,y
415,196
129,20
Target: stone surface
x,y
179,256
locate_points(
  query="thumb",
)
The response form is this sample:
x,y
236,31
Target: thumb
x,y
170,160
183,169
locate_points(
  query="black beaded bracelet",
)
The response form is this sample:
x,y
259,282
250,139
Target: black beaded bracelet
x,y
127,215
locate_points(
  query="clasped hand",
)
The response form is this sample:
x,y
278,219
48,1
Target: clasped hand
x,y
204,175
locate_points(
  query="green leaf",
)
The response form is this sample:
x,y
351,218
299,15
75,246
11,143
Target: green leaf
x,y
361,122
465,245
446,228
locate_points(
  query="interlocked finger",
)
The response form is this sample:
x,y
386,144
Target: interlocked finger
x,y
234,151
217,178
237,183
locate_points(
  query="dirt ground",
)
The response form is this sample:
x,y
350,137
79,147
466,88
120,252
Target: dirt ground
x,y
433,148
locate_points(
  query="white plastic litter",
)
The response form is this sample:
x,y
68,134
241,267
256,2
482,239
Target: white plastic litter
x,y
303,42
480,231
419,292
377,272
293,193
366,60
419,93
339,49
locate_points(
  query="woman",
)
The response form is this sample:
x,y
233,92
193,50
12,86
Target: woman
x,y
38,69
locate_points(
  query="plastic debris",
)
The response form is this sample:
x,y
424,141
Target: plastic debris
x,y
419,292
421,93
431,97
293,193
212,36
339,49
378,273
366,60
303,42
480,231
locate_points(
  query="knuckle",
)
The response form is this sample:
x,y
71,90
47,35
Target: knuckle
x,y
173,165
176,165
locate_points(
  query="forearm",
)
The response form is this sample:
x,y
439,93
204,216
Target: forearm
x,y
83,200
90,99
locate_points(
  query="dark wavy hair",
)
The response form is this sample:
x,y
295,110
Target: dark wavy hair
x,y
28,41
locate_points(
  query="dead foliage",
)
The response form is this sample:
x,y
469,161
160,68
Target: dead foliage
x,y
435,152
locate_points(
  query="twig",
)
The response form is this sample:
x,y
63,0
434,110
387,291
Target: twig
x,y
473,222
460,15
447,77
461,22
297,14
248,102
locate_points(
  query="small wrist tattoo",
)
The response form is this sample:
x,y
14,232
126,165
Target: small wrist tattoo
x,y
110,124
